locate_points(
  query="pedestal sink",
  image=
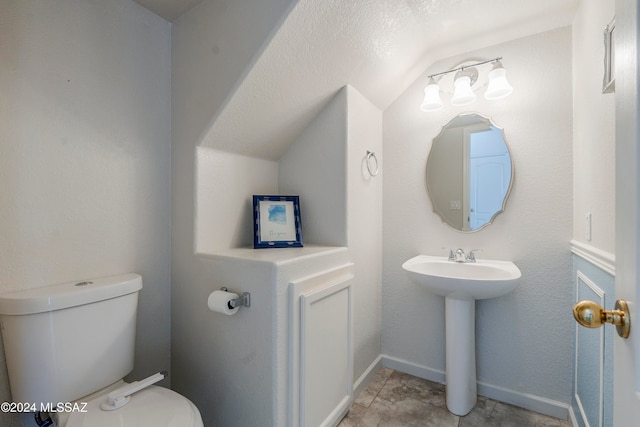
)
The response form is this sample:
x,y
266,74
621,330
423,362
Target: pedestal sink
x,y
461,283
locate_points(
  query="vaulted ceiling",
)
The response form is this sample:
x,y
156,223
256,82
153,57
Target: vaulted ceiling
x,y
377,46
169,9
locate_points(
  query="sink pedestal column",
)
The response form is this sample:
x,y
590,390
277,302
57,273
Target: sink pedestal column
x,y
460,350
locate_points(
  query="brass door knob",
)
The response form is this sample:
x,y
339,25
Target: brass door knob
x,y
591,315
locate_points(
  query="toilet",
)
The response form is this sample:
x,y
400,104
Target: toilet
x,y
68,348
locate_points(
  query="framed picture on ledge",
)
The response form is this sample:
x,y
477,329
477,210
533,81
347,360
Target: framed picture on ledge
x,y
276,222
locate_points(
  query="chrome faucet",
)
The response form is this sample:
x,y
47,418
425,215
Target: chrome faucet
x,y
459,256
452,256
471,256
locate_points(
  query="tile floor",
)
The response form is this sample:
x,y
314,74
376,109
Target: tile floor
x,y
397,399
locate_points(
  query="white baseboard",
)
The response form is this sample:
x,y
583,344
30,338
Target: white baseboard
x,y
413,369
572,417
528,401
363,381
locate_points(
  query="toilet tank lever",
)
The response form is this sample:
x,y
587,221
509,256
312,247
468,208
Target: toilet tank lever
x,y
120,397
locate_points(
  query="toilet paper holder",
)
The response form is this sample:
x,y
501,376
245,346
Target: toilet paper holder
x,y
243,300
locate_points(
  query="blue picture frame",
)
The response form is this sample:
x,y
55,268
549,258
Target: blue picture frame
x,y
276,222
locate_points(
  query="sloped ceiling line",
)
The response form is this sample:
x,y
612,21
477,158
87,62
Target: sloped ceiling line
x,y
376,46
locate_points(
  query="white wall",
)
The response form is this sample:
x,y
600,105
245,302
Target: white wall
x,y
364,227
225,184
85,155
524,339
594,129
211,45
325,167
204,71
341,202
314,167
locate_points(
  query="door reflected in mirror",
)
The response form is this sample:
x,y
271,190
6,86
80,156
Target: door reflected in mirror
x,y
469,172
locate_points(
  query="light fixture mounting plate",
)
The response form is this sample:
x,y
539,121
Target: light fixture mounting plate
x,y
470,72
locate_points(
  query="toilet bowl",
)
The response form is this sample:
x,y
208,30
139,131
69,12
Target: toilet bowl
x,y
73,343
154,406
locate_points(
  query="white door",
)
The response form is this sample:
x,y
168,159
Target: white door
x,y
627,351
489,178
488,174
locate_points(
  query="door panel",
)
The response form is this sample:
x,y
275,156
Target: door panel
x,y
627,351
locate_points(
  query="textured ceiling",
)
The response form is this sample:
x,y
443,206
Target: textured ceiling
x,y
168,9
377,46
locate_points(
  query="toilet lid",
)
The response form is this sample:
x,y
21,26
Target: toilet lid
x,y
154,406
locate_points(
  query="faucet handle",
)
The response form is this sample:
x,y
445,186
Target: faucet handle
x,y
471,256
452,256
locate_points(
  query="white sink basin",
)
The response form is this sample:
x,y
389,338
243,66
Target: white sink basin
x,y
461,284
463,280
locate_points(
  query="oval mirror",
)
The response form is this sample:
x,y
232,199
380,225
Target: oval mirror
x,y
469,172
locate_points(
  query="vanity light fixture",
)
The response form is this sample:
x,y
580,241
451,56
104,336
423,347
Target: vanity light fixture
x,y
432,100
463,81
499,87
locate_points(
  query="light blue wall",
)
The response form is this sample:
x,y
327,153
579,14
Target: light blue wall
x,y
592,400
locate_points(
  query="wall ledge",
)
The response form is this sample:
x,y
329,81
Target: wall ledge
x,y
601,259
275,256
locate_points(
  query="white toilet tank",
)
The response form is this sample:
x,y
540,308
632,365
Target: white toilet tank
x,y
65,341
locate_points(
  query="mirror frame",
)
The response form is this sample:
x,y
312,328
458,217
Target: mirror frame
x,y
513,172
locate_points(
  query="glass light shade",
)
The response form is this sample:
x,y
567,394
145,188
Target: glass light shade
x,y
498,87
462,94
432,100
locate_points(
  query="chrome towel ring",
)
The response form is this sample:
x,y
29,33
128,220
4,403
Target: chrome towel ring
x,y
372,171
